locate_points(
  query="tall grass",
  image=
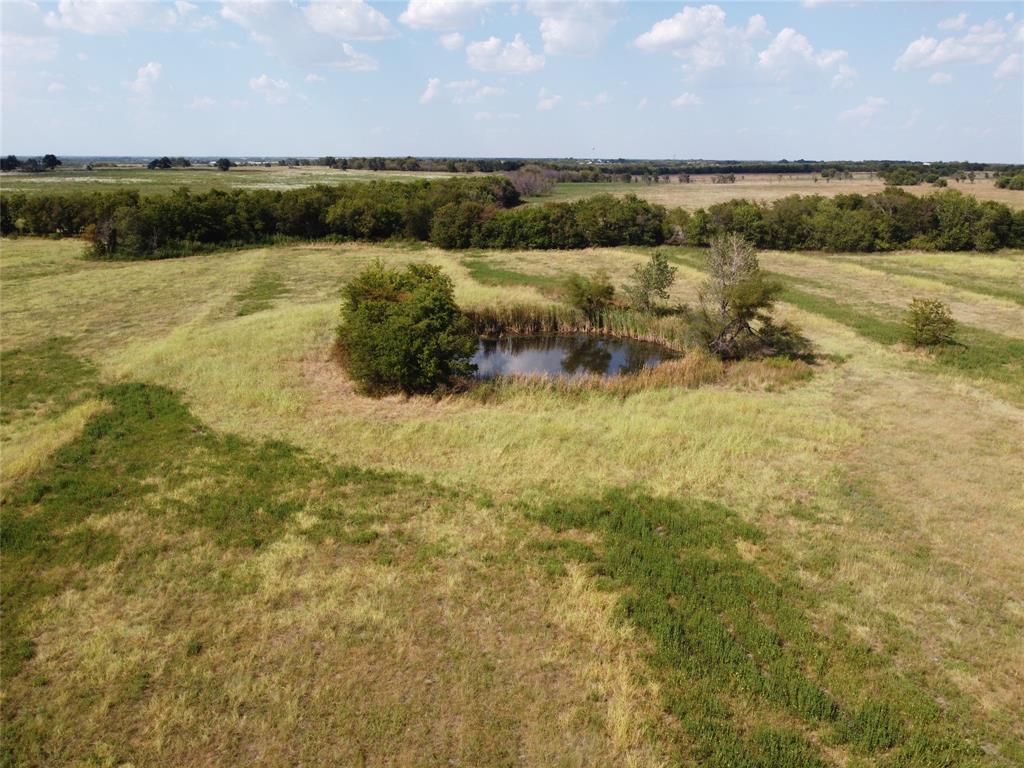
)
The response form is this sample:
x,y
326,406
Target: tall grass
x,y
532,319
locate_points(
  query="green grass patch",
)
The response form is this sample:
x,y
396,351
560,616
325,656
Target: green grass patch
x,y
734,651
44,379
484,271
260,293
148,455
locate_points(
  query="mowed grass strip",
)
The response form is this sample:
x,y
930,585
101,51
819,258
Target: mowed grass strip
x,y
978,353
745,678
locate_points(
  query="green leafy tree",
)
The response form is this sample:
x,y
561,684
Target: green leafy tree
x,y
734,316
650,282
50,162
403,331
224,164
929,323
592,295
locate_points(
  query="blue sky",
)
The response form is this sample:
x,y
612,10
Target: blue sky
x,y
822,80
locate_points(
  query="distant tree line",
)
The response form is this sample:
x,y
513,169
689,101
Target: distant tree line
x,y
30,165
887,220
570,169
485,212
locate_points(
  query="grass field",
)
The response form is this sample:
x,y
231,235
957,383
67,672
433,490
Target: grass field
x,y
700,193
215,552
196,178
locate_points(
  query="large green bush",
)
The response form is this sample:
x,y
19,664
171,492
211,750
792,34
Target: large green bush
x,y
403,331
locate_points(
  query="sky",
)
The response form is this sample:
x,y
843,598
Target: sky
x,y
819,79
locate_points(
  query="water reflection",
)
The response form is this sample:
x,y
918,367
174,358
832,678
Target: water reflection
x,y
567,356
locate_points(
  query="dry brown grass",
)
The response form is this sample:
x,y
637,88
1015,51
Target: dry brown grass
x,y
702,192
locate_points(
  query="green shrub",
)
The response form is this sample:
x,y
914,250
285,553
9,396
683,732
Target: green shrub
x,y
403,331
591,295
650,281
929,323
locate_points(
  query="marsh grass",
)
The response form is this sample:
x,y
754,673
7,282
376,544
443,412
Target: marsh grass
x,y
531,319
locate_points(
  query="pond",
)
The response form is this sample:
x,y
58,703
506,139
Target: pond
x,y
566,355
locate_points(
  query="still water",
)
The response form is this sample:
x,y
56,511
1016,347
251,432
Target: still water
x,y
567,356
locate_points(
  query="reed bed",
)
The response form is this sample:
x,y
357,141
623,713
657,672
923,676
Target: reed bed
x,y
533,319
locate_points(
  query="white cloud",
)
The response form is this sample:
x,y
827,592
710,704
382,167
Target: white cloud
x,y
940,78
441,14
687,100
981,44
471,92
453,41
201,102
954,23
866,110
274,90
791,52
354,61
308,35
702,39
642,104
1010,67
845,77
28,47
96,17
114,17
546,101
578,28
348,19
145,79
599,100
312,77
56,87
513,58
684,28
431,91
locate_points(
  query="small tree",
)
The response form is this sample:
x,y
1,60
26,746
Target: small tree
x,y
650,281
734,317
592,294
403,331
929,323
224,164
50,162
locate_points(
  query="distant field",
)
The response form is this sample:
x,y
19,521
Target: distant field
x,y
196,178
217,553
702,192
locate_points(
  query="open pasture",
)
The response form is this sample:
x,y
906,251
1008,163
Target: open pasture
x,y
196,178
703,192
217,552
